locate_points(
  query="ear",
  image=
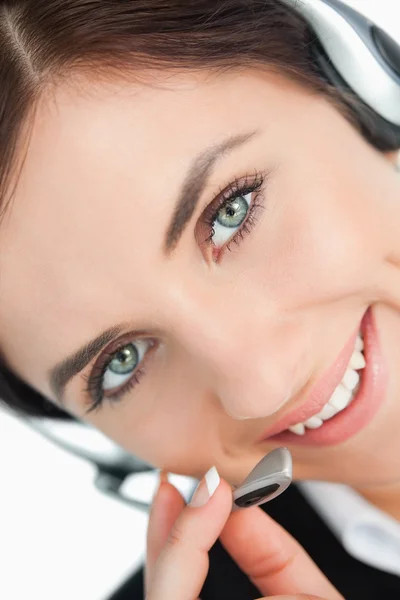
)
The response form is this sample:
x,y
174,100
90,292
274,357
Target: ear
x,y
393,156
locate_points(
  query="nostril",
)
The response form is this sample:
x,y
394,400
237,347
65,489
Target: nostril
x,y
238,415
253,391
237,418
254,409
285,400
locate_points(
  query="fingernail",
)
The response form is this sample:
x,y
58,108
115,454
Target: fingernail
x,y
206,488
162,478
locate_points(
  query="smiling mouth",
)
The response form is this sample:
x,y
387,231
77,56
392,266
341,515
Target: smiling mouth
x,y
343,395
346,398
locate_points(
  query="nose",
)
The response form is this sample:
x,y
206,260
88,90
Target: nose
x,y
246,378
249,360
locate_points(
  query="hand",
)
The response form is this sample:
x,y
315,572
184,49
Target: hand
x,y
179,538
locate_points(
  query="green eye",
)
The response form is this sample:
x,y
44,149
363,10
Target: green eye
x,y
233,213
230,216
125,360
124,363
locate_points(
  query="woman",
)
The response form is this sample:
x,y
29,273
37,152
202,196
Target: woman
x,y
199,251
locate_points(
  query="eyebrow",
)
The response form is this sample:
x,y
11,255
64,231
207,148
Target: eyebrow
x,y
194,184
64,371
189,196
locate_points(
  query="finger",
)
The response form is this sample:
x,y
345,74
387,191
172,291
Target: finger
x,y
272,558
182,566
166,507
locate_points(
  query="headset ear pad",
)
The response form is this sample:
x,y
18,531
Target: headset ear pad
x,y
380,133
388,48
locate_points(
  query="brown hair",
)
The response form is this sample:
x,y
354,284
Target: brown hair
x,y
43,42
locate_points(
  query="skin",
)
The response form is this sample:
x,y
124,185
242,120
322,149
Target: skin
x,y
241,340
180,537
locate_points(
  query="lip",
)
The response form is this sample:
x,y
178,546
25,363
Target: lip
x,y
358,414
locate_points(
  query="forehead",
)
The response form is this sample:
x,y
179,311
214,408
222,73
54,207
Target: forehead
x,y
101,144
96,192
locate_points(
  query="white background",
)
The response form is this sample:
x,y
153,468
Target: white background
x,y
60,538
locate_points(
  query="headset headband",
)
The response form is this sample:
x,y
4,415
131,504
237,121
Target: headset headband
x,y
359,53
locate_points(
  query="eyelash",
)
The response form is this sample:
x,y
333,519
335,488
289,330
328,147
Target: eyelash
x,y
95,380
235,189
209,216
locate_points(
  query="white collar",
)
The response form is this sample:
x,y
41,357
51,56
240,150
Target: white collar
x,y
366,532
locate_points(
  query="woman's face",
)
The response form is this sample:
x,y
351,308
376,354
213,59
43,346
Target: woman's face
x,y
217,327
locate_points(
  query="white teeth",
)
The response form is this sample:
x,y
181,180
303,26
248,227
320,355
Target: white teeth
x,y
359,343
313,422
357,361
299,429
341,397
327,412
350,379
343,394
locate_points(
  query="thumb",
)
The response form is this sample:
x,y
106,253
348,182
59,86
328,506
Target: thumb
x,y
272,558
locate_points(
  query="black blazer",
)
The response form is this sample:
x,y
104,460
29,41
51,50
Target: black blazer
x,y
354,579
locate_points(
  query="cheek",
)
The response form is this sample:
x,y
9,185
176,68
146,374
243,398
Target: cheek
x,y
322,248
176,430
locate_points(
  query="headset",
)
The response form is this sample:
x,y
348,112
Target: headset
x,y
269,478
355,55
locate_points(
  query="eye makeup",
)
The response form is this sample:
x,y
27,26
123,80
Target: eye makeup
x,y
250,185
230,199
95,380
